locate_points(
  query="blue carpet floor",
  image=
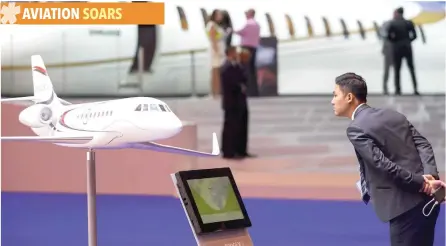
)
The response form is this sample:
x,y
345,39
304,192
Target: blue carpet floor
x,y
56,220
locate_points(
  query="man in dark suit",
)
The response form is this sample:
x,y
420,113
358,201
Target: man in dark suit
x,y
401,33
387,53
395,161
234,103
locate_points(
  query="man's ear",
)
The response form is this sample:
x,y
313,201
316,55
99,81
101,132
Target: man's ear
x,y
349,97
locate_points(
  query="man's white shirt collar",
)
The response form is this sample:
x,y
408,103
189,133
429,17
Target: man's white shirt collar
x,y
353,115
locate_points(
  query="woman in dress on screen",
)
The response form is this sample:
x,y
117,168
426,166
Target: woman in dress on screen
x,y
216,36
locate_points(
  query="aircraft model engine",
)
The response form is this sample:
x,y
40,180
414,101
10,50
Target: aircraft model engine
x,y
36,116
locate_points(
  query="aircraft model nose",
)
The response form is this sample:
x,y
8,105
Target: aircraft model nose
x,y
171,125
176,125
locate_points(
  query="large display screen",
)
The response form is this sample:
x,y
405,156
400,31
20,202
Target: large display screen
x,y
215,199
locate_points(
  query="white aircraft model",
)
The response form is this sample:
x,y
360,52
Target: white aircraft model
x,y
115,124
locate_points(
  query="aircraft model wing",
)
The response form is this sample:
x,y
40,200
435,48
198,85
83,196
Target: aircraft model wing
x,y
19,99
177,150
52,139
29,99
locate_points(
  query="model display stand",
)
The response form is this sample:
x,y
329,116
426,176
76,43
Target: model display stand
x,y
224,232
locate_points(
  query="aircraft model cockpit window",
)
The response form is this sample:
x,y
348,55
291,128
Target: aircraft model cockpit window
x,y
146,107
153,107
167,108
272,30
183,19
162,108
138,108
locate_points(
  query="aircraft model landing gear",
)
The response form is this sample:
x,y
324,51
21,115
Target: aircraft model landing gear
x,y
91,198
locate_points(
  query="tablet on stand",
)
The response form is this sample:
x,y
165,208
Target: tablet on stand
x,y
213,207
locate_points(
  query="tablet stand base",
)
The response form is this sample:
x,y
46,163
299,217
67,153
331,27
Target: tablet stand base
x,y
225,238
239,237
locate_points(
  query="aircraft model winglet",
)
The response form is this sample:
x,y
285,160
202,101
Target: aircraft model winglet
x,y
115,124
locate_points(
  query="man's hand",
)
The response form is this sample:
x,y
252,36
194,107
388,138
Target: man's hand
x,y
428,177
427,186
436,184
432,184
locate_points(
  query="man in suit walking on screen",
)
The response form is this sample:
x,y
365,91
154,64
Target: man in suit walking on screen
x,y
395,161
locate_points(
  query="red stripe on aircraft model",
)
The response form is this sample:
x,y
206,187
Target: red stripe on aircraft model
x,y
62,118
40,70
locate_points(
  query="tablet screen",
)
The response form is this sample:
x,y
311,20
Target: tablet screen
x,y
215,199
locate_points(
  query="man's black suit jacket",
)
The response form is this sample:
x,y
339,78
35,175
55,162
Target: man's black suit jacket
x,y
394,156
233,77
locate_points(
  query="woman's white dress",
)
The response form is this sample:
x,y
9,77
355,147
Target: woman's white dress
x,y
216,58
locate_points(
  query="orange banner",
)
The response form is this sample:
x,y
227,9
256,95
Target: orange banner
x,y
81,13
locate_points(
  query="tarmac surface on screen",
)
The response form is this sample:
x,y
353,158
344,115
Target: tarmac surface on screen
x,y
215,199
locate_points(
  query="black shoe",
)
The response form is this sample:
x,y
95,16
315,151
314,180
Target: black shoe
x,y
416,93
248,155
232,157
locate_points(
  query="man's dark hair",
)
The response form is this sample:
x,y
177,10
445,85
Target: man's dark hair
x,y
252,12
353,83
400,10
230,49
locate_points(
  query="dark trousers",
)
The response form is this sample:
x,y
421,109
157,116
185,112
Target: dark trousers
x,y
235,132
413,228
387,64
398,54
253,88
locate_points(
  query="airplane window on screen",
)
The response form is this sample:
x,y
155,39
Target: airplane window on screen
x,y
361,29
272,30
183,19
146,107
138,108
309,27
162,108
327,27
205,16
290,24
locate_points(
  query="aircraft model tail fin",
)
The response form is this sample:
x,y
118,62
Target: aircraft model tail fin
x,y
42,86
177,150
